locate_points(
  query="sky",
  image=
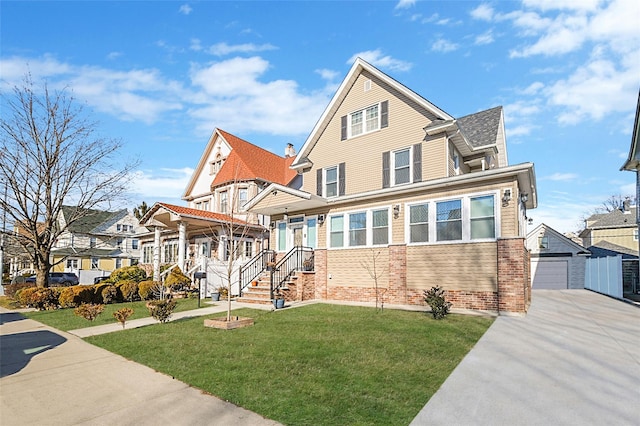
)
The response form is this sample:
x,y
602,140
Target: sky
x,y
161,75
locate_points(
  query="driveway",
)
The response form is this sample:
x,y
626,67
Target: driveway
x,y
574,359
49,377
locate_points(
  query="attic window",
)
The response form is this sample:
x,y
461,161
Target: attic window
x,y
543,242
367,85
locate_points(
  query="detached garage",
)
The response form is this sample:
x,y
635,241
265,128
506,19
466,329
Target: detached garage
x,y
557,262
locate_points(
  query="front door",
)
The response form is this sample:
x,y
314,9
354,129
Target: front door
x,y
297,236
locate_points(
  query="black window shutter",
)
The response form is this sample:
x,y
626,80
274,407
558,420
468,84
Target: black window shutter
x,y
386,165
417,162
384,114
341,180
319,182
343,125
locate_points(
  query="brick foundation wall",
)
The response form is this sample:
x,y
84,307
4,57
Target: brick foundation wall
x,y
320,266
514,283
397,290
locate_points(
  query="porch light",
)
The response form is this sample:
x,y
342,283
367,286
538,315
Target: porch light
x,y
396,211
524,197
507,196
320,219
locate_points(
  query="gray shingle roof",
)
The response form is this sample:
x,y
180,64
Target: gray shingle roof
x,y
91,219
614,219
481,128
605,248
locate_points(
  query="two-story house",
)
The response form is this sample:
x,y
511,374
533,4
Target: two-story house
x,y
97,243
386,172
617,227
214,225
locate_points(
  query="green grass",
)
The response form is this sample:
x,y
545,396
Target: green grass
x,y
314,365
9,303
65,319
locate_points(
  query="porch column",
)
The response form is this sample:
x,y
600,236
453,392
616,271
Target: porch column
x,y
156,254
182,241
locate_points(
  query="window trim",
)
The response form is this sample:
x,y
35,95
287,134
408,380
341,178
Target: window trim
x,y
350,134
392,168
346,230
466,218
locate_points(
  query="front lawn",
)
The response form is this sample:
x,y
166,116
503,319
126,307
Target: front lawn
x,y
315,365
65,319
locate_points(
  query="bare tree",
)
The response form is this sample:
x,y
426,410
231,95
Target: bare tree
x,y
141,210
376,269
614,202
50,156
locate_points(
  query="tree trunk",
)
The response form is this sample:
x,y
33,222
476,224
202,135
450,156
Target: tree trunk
x,y
42,276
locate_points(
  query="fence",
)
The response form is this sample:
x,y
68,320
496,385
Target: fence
x,y
604,275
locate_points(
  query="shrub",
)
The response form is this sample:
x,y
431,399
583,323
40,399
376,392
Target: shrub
x,y
67,297
24,295
89,311
176,280
86,294
43,299
128,273
11,290
161,310
122,315
129,290
148,290
108,293
436,300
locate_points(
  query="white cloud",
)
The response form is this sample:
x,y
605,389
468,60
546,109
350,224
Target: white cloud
x,y
185,9
114,55
165,184
544,5
196,44
327,74
442,45
376,58
560,177
484,38
405,4
533,88
484,12
221,49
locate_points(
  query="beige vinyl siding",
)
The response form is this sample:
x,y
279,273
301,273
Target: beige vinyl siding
x,y
363,153
346,267
466,267
620,236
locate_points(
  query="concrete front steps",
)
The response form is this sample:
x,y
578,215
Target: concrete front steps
x,y
260,293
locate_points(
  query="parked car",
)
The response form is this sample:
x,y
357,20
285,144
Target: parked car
x,y
58,279
98,280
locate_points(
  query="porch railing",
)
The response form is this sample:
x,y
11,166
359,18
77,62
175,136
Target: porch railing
x,y
298,258
250,270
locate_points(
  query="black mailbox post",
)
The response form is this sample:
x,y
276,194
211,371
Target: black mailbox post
x,y
199,276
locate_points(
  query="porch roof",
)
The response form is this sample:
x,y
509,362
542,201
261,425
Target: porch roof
x,y
168,215
278,199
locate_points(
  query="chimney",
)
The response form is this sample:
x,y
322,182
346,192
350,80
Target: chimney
x,y
625,205
289,151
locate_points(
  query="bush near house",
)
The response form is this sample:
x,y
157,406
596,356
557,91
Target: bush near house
x,y
149,290
127,273
161,310
177,280
127,290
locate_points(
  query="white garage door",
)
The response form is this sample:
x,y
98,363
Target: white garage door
x,y
550,274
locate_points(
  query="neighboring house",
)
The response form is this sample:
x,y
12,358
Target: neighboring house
x,y
230,172
557,262
616,227
384,171
97,243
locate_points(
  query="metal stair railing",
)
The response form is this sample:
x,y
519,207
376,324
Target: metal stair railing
x,y
254,267
297,259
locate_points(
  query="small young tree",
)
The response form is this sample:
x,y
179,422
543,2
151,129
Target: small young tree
x,y
376,268
88,311
122,314
435,298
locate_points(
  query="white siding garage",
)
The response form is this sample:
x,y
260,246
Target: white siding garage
x,y
556,261
549,273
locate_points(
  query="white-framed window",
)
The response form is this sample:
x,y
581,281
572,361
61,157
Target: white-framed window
x,y
118,263
359,228
205,205
118,227
449,220
134,244
170,251
419,223
147,253
364,121
282,236
483,217
469,218
402,162
331,182
248,248
198,206
635,235
380,227
543,242
243,193
95,263
312,231
336,231
224,201
72,264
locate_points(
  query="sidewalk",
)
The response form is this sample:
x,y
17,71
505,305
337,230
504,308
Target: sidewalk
x,y
49,377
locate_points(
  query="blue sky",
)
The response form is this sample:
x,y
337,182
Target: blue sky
x,y
162,75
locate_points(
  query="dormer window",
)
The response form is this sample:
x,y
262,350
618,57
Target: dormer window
x,y
216,165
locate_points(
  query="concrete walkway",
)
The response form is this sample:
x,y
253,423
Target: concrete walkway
x,y
49,377
574,359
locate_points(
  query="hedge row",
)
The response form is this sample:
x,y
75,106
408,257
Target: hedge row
x,y
71,297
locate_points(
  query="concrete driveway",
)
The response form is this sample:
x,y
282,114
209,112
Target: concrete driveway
x,y
49,377
574,359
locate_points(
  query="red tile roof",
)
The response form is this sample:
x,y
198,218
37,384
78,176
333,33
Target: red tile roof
x,y
204,214
250,162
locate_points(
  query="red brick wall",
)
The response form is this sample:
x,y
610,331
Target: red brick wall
x,y
320,266
397,292
514,283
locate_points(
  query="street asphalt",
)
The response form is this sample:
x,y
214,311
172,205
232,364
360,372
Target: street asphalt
x,y
574,359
